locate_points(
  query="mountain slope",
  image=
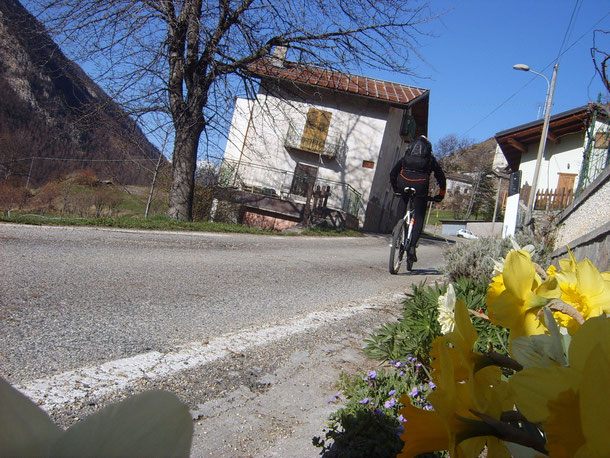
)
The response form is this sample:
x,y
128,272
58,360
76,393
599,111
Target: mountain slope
x,y
52,111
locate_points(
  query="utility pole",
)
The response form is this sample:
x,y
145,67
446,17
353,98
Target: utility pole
x,y
542,145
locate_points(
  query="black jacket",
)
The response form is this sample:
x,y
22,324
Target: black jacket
x,y
435,167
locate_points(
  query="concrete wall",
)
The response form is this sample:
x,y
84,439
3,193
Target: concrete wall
x,y
585,225
485,228
564,157
258,130
380,214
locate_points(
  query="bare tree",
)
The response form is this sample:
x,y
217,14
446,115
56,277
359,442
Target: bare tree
x,y
188,58
600,60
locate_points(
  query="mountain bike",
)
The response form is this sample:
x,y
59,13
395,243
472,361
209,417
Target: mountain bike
x,y
401,235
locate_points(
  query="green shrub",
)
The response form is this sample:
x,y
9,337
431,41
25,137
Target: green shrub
x,y
414,333
475,258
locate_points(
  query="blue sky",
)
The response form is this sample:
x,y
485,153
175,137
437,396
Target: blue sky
x,y
475,92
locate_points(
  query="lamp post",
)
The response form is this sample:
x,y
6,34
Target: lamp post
x,y
545,129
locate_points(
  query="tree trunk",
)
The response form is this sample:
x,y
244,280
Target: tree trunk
x,y
184,164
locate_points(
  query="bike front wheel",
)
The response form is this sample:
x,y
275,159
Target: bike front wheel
x,y
398,248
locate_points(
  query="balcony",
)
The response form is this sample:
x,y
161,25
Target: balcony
x,y
285,185
334,147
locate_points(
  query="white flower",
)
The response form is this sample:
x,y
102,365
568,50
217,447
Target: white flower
x,y
499,264
498,267
446,310
529,248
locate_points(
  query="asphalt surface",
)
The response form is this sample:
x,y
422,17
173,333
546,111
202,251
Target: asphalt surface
x,y
79,297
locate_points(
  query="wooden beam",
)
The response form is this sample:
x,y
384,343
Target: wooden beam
x,y
551,136
517,144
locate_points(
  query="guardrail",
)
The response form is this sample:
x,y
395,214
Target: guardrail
x,y
286,185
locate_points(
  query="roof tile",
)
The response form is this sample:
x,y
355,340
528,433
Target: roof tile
x,y
361,85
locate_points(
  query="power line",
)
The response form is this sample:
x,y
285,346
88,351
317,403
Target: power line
x,y
570,27
561,53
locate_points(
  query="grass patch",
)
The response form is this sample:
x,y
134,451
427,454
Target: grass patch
x,y
163,223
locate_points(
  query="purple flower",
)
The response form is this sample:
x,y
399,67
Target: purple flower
x,y
364,401
401,373
372,375
398,364
402,419
390,403
392,393
414,392
432,385
334,398
379,412
428,407
417,364
401,429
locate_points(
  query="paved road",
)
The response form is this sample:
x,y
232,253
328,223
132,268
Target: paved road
x,y
251,332
71,297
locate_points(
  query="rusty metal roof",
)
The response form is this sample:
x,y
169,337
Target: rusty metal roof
x,y
338,81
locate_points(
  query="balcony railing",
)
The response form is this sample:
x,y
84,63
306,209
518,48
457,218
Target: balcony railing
x,y
334,147
286,185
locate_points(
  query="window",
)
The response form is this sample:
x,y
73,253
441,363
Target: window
x,y
316,130
602,140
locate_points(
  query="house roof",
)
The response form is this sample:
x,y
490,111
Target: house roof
x,y
515,141
338,81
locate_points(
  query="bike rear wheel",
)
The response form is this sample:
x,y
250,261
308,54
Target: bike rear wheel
x,y
398,248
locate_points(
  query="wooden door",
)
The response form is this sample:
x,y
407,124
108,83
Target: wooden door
x,y
304,176
566,181
565,187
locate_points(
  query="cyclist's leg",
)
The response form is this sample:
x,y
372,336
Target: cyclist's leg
x,y
421,202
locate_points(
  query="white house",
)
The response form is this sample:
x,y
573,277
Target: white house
x,y
576,152
312,126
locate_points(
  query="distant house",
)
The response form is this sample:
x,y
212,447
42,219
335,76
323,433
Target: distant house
x,y
459,183
310,127
576,152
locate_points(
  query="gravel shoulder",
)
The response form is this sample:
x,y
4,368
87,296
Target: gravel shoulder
x,y
270,401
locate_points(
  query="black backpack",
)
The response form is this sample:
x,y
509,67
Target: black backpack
x,y
418,156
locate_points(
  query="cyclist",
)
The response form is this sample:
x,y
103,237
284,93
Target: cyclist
x,y
413,171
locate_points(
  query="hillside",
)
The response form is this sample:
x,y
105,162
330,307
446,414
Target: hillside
x,y
475,157
50,109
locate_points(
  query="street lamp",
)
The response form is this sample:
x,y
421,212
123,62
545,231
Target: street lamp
x,y
526,68
545,129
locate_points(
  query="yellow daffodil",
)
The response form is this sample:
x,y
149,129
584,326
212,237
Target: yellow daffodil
x,y
566,400
460,390
517,304
584,288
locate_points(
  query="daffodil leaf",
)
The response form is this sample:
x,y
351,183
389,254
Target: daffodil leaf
x,y
556,348
532,351
155,423
520,451
26,429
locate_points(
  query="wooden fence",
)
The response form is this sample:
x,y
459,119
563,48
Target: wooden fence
x,y
553,199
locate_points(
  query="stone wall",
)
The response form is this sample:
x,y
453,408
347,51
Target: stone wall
x,y
585,225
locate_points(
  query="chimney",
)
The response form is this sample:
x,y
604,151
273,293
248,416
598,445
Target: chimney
x,y
278,55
